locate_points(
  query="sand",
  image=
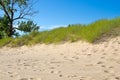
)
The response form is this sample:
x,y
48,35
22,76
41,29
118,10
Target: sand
x,y
68,61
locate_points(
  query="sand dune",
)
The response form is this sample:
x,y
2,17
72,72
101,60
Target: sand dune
x,y
69,61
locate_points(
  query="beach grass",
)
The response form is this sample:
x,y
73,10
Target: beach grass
x,y
71,33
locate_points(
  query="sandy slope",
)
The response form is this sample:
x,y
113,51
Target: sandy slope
x,y
69,61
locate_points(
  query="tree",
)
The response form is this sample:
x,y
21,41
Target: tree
x,y
28,26
3,27
15,10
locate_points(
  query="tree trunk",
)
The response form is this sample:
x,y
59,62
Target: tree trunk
x,y
11,32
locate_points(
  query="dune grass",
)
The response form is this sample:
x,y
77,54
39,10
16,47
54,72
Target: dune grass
x,y
71,33
5,41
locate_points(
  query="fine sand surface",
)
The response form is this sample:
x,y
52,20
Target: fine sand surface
x,y
68,61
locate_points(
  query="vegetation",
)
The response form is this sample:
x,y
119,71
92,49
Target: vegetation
x,y
28,26
72,33
14,11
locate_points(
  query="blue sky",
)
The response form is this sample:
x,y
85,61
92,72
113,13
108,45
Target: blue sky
x,y
53,13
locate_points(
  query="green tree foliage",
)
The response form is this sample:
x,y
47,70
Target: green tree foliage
x,y
14,10
28,26
3,27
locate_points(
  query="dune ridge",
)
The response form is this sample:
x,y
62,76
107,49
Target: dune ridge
x,y
68,61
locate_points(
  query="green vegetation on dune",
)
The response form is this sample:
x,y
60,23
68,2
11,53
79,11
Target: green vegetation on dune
x,y
72,33
5,41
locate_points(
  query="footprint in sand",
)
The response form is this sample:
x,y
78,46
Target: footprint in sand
x,y
52,67
10,73
75,57
102,57
115,49
100,62
115,54
82,78
61,54
104,54
117,78
60,75
52,72
23,79
111,67
72,76
31,78
89,54
94,51
55,72
106,71
103,66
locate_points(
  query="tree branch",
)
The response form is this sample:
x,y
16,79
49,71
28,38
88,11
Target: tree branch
x,y
12,8
24,12
3,6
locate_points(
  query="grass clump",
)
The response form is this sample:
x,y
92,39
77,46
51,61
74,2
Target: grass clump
x,y
5,41
23,40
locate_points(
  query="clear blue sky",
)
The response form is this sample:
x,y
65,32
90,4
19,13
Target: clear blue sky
x,y
54,13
